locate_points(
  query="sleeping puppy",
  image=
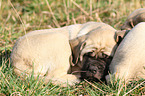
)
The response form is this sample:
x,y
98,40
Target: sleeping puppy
x,y
49,53
94,50
134,18
128,62
102,40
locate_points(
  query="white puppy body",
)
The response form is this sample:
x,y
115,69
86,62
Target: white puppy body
x,y
128,62
48,53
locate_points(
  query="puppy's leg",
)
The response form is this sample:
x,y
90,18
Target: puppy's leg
x,y
22,69
61,77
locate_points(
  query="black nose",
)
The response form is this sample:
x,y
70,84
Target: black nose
x,y
93,70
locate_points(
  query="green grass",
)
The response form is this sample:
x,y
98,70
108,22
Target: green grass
x,y
21,16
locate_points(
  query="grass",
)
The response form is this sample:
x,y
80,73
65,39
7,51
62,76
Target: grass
x,y
21,16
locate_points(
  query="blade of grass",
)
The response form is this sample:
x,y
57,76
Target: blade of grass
x,y
55,20
134,88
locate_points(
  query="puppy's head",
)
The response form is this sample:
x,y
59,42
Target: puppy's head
x,y
101,40
91,51
134,18
95,68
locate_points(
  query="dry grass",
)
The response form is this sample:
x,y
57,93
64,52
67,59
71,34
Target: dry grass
x,y
41,14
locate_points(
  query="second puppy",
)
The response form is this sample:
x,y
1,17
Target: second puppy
x,y
128,62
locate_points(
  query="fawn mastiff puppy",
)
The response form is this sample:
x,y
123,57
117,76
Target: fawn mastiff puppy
x,y
49,53
128,62
96,66
134,18
92,52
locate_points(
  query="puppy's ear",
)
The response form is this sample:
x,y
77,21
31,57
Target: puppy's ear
x,y
77,46
119,35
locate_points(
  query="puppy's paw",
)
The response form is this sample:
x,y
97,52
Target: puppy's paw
x,y
71,79
107,77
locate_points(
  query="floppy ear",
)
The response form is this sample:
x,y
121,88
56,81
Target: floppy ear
x,y
77,46
119,35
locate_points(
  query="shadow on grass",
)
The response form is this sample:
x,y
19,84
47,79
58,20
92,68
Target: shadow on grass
x,y
4,56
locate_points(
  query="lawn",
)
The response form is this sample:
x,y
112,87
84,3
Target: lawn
x,y
19,17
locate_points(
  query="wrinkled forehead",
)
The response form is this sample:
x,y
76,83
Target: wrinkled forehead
x,y
103,40
110,50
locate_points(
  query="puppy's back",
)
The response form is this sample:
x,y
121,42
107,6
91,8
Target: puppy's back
x,y
39,51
